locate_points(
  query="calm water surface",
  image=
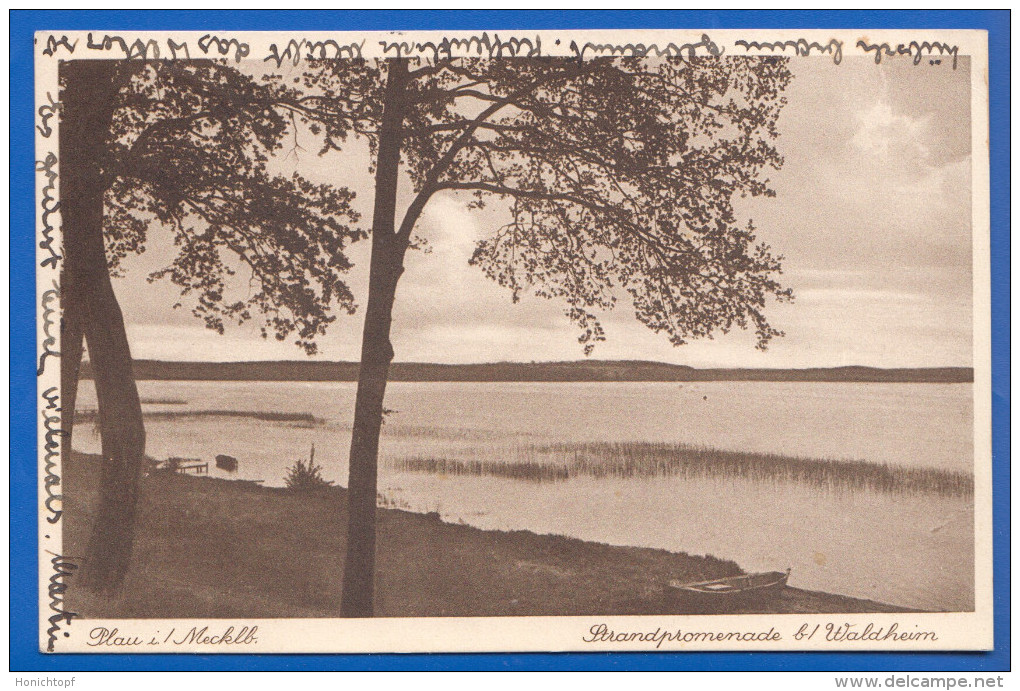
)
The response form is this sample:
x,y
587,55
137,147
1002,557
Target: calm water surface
x,y
913,550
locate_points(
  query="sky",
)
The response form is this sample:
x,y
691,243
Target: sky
x,y
872,213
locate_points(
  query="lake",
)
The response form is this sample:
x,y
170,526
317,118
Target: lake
x,y
906,546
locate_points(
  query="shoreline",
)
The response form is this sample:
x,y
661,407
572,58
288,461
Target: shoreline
x,y
578,371
216,548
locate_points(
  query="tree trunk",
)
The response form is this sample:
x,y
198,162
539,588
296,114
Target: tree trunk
x,y
376,354
87,105
71,341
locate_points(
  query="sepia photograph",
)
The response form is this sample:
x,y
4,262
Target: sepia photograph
x,y
622,330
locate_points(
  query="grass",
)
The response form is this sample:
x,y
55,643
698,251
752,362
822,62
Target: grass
x,y
558,462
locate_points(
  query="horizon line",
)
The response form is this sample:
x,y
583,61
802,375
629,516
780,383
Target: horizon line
x,y
547,362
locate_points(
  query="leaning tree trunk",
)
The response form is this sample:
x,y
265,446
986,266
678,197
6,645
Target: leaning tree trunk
x,y
72,337
87,105
376,354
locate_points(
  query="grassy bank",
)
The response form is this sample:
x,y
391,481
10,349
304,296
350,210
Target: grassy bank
x,y
217,548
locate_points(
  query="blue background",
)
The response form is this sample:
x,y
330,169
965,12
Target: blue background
x,y
24,627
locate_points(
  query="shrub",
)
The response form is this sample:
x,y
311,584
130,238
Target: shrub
x,y
306,477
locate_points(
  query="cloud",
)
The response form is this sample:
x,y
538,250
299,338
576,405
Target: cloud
x,y
196,343
887,135
860,295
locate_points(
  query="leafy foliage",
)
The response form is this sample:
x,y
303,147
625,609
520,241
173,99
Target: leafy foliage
x,y
617,173
189,150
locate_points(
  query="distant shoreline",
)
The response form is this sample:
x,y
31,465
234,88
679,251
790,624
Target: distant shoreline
x,y
579,371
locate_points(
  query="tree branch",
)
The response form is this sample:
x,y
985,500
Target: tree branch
x,y
435,173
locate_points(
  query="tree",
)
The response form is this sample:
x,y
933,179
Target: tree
x,y
616,174
183,147
90,311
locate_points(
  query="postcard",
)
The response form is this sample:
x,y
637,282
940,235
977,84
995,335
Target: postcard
x,y
513,341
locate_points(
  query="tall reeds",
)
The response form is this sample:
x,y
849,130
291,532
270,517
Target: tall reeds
x,y
558,462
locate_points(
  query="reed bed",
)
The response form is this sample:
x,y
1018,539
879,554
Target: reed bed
x,y
448,433
395,430
534,471
558,462
92,415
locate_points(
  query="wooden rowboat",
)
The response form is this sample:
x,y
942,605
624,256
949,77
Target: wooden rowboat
x,y
727,594
228,463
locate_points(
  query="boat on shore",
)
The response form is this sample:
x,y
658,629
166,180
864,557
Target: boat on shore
x,y
723,595
228,463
